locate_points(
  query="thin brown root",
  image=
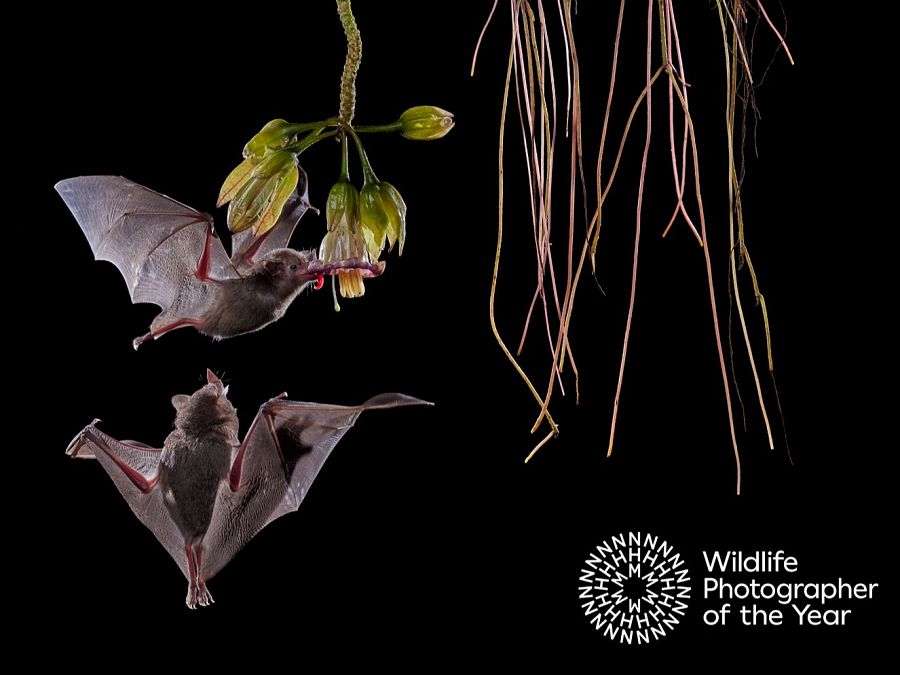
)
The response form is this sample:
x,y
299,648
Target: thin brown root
x,y
743,322
496,270
787,443
712,291
761,301
531,454
595,220
740,43
481,37
612,86
562,349
634,109
737,389
734,206
637,236
762,10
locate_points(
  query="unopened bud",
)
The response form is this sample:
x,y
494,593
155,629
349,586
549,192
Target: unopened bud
x,y
276,134
275,162
382,212
258,202
425,123
342,208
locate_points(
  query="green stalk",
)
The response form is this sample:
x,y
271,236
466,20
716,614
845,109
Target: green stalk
x,y
345,160
313,126
368,175
309,140
380,128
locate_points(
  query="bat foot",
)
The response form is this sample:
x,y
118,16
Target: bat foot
x,y
204,597
138,341
198,594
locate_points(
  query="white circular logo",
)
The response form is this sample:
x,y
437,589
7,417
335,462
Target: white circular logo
x,y
634,588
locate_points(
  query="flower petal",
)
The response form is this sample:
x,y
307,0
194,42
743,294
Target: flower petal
x,y
235,181
285,185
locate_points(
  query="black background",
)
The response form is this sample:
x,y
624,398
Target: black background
x,y
425,527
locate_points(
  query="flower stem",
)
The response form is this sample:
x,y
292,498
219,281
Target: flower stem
x,y
309,140
380,128
368,175
351,63
345,160
312,126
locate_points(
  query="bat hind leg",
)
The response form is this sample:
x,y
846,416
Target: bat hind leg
x,y
162,330
197,593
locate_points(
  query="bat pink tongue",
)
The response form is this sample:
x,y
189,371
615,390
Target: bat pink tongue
x,y
320,281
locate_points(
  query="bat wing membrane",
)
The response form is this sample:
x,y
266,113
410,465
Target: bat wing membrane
x,y
161,247
134,468
285,448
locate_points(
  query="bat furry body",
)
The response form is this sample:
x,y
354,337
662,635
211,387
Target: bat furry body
x,y
171,256
206,493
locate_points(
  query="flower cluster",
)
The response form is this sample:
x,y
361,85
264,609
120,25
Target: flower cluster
x,y
258,188
361,224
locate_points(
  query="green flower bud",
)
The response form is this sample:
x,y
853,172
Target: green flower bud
x,y
285,184
263,192
425,123
382,213
236,180
276,134
342,209
274,162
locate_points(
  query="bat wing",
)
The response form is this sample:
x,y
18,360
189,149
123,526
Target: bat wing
x,y
134,468
161,247
273,469
245,248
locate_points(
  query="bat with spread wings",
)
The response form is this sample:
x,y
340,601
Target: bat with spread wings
x,y
205,493
171,256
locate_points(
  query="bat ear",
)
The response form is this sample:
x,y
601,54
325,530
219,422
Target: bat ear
x,y
178,400
213,379
271,265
